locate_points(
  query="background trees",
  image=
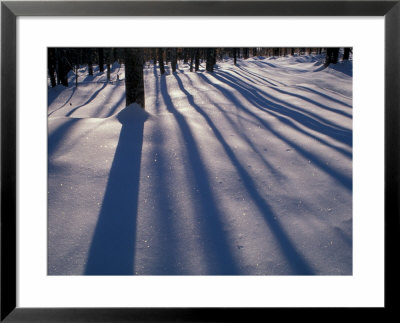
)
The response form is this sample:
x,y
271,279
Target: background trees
x,y
63,60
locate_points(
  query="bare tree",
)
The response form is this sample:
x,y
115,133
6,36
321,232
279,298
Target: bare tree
x,y
134,83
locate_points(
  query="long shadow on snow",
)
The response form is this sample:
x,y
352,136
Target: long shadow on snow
x,y
304,88
92,97
112,250
307,118
165,241
284,115
220,259
258,76
50,101
58,135
275,110
323,106
255,75
296,261
342,179
275,172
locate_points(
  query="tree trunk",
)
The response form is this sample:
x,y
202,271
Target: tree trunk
x,y
134,84
51,64
161,60
245,53
62,72
196,59
332,55
210,60
108,71
346,53
90,62
174,60
191,51
185,53
115,55
101,60
154,56
234,56
76,75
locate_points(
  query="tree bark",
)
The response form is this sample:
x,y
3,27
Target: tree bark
x,y
101,60
196,59
108,71
332,55
174,60
62,72
51,63
134,84
90,62
346,53
210,60
161,60
191,51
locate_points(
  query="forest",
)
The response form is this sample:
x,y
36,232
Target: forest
x,y
63,60
200,161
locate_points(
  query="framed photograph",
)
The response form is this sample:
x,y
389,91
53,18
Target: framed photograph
x,y
187,160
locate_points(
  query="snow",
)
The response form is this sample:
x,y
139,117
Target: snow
x,y
245,171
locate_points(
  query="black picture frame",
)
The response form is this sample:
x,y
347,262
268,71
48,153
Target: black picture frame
x,y
10,10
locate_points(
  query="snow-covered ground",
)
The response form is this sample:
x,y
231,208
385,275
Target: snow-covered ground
x,y
245,171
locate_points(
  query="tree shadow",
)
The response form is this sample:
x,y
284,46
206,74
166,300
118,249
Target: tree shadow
x,y
325,96
220,260
275,172
261,78
58,135
342,179
320,105
296,261
266,102
92,97
112,250
51,100
289,117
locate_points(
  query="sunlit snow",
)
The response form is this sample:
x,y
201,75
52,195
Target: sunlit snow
x,y
244,171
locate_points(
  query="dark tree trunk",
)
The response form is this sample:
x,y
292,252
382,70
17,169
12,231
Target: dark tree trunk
x,y
292,51
186,55
174,60
196,59
210,60
108,71
161,60
76,75
90,62
101,60
346,54
62,72
245,53
234,56
51,63
134,84
191,51
115,54
332,55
